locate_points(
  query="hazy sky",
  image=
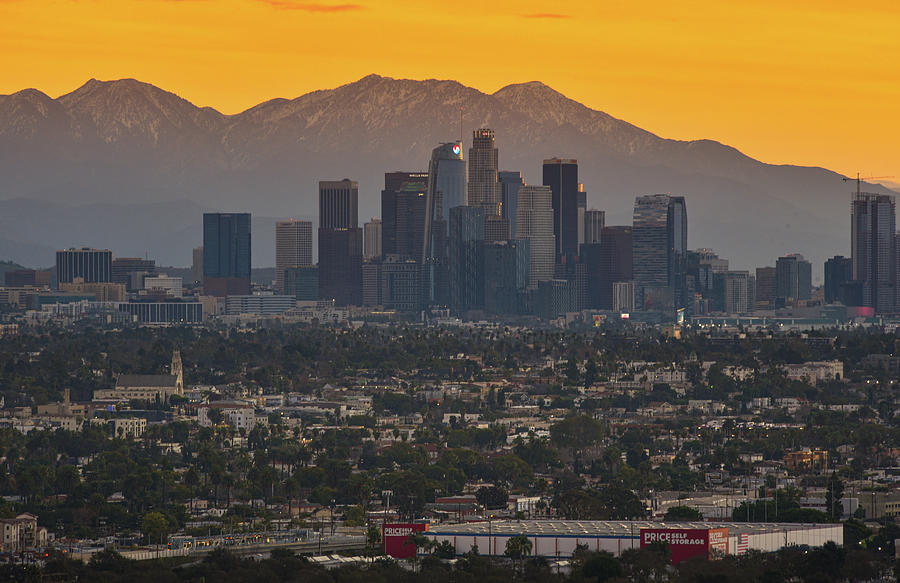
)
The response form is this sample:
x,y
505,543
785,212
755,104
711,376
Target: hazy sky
x,y
806,82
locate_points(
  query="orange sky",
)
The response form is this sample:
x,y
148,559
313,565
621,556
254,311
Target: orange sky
x,y
804,82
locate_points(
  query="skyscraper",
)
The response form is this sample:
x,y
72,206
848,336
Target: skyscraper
x,y
484,190
873,225
446,189
466,275
131,271
593,226
446,180
562,178
793,280
302,282
660,245
534,222
510,183
838,271
197,264
496,228
340,243
765,288
505,268
738,292
91,265
581,205
607,263
293,248
373,233
403,214
226,254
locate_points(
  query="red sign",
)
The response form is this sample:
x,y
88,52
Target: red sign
x,y
686,543
396,541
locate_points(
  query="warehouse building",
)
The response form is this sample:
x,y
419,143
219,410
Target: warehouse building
x,y
558,538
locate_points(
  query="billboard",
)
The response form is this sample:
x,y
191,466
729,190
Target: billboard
x,y
395,539
686,543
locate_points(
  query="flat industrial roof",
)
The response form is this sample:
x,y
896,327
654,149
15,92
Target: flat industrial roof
x,y
606,528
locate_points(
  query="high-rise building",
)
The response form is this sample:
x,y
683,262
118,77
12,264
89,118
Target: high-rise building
x,y
838,272
400,286
371,281
446,189
373,233
555,297
505,266
510,183
466,274
302,282
403,214
765,288
496,228
593,226
581,205
446,180
660,245
131,271
793,280
484,190
91,265
562,178
623,297
340,243
197,265
226,254
738,293
571,268
534,223
606,263
171,286
873,225
293,248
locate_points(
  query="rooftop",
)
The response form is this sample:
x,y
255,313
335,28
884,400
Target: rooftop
x,y
145,380
602,528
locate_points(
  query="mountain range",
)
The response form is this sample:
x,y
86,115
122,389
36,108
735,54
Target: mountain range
x,y
129,166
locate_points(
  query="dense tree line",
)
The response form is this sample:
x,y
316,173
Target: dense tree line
x,y
824,565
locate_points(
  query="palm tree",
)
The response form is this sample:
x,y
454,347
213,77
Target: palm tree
x,y
419,541
518,547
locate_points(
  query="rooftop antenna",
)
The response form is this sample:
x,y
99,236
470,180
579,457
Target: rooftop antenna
x,y
460,124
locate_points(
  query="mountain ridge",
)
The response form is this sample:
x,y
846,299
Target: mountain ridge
x,y
130,142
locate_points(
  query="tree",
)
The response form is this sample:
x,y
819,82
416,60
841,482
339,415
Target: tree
x,y
686,513
191,479
576,432
373,539
155,526
834,494
354,516
492,497
517,548
602,566
572,371
215,416
418,541
590,373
